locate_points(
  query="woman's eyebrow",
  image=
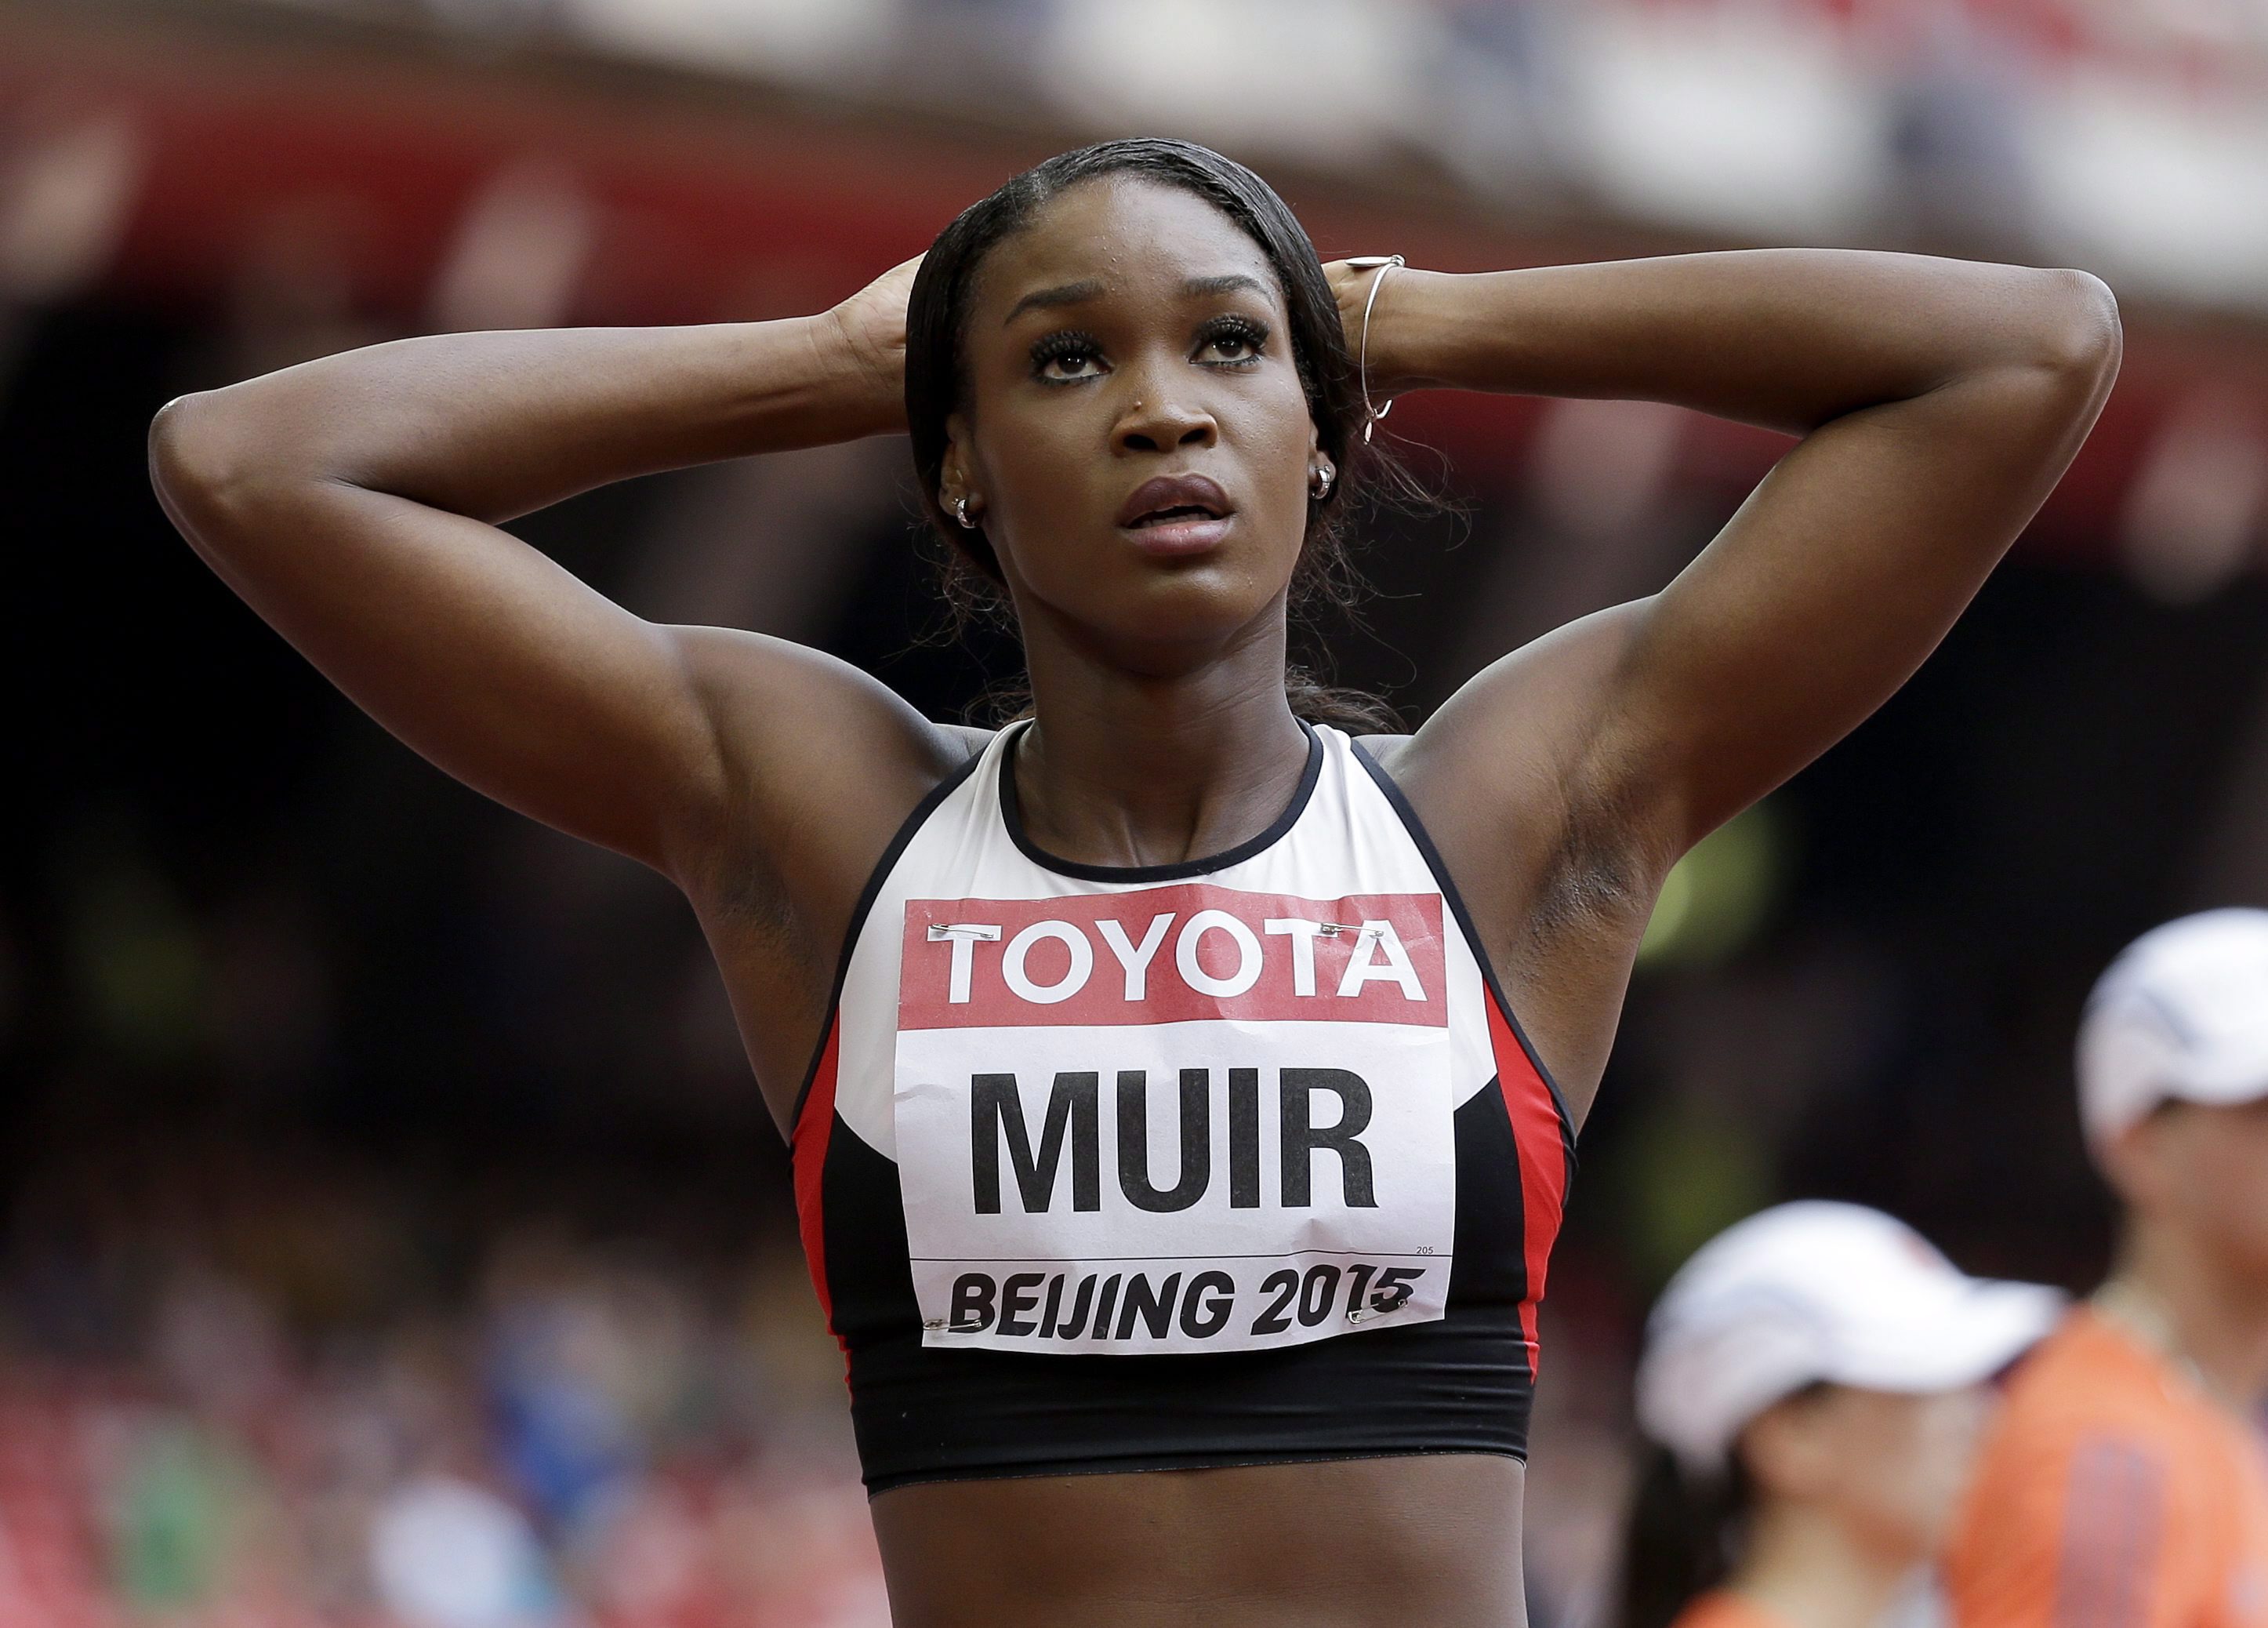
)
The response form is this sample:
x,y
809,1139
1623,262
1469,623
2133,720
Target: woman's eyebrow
x,y
1062,294
1078,293
1225,284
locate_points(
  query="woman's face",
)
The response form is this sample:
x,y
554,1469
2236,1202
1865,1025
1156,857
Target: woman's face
x,y
1137,439
2203,1169
1891,1467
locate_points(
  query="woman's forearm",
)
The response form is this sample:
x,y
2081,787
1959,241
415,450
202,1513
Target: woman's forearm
x,y
493,425
1788,338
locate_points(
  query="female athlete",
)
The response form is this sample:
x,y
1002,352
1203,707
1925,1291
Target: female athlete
x,y
1173,1166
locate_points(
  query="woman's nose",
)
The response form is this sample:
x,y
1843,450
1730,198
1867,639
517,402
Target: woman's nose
x,y
1157,421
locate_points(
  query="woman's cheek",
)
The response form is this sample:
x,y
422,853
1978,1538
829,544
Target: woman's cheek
x,y
1950,1430
1039,503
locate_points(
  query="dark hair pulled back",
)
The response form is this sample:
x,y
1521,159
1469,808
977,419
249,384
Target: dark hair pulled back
x,y
936,317
1678,1538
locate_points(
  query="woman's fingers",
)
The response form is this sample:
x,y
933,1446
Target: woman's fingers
x,y
1350,283
873,320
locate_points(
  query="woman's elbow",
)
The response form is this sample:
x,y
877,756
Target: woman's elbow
x,y
204,461
185,458
2078,335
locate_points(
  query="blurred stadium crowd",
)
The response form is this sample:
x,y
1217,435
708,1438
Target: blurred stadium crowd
x,y
2125,134
392,1236
267,1392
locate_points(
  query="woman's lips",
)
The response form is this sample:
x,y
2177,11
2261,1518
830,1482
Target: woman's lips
x,y
1179,535
1176,514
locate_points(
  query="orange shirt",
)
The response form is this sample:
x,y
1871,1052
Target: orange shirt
x,y
2113,1494
1724,1609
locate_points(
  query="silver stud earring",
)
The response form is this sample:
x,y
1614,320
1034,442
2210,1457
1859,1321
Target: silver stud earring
x,y
961,513
1320,479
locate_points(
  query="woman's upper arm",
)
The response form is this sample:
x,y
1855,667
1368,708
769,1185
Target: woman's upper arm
x,y
507,672
1832,582
1844,569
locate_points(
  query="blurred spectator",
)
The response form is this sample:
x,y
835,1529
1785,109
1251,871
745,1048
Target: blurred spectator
x,y
180,1497
559,1364
447,1553
966,52
1955,97
1501,115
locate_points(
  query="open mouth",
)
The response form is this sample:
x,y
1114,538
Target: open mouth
x,y
1167,501
1178,513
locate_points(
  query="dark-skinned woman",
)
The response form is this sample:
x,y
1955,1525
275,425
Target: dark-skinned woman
x,y
1182,1079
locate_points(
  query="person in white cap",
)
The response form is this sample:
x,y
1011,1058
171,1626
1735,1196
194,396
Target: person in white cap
x,y
1815,1378
2123,1486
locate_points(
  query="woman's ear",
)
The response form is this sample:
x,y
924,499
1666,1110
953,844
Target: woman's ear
x,y
958,494
957,473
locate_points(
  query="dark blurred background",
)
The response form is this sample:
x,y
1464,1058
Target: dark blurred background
x,y
390,1232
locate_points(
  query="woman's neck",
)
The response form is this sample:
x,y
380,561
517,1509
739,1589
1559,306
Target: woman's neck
x,y
1124,768
2179,1297
1804,1567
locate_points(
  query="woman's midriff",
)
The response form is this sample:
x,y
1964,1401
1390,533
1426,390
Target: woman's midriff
x,y
1390,1542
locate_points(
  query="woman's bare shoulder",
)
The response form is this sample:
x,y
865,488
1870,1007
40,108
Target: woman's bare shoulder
x,y
826,761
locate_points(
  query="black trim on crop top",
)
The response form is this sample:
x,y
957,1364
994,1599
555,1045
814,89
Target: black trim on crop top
x,y
1012,816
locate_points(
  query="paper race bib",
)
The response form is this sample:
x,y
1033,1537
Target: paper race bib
x,y
1186,1118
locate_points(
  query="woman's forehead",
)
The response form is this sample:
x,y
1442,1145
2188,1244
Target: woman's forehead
x,y
1120,234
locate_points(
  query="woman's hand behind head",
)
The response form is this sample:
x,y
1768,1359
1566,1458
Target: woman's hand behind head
x,y
1381,371
871,327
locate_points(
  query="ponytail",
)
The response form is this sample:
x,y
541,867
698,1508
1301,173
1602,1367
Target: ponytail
x,y
1678,1540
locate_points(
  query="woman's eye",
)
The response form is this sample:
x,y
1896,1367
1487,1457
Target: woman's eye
x,y
1066,356
1234,344
1072,365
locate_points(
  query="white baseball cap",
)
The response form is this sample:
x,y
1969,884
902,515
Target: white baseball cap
x,y
1816,1291
2182,1015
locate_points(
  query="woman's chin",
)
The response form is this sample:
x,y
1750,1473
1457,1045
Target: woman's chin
x,y
1123,597
1167,626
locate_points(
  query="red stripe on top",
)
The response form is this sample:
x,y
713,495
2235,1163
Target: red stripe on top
x,y
807,1150
1536,1134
